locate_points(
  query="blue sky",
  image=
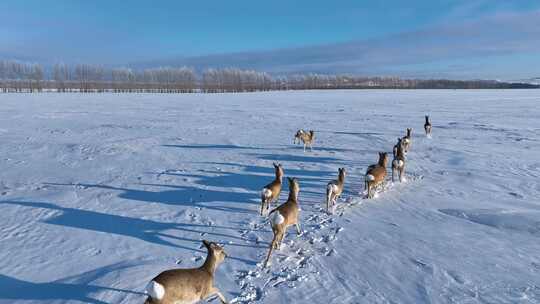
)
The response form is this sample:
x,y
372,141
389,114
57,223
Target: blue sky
x,y
444,38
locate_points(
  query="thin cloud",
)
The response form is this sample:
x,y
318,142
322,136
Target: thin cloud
x,y
495,35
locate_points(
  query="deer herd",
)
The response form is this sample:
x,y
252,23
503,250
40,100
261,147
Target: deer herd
x,y
177,286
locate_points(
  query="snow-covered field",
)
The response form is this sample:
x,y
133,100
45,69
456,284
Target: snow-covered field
x,y
99,193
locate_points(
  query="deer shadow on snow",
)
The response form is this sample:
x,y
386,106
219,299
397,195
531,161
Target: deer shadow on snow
x,y
75,288
215,146
187,196
155,232
251,179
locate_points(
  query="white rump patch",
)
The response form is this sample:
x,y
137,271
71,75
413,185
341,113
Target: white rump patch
x,y
155,290
277,219
397,163
370,178
400,163
266,192
332,187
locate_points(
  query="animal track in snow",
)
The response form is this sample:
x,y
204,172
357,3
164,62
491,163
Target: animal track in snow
x,y
291,265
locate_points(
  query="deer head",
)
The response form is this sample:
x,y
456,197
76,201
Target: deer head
x,y
294,187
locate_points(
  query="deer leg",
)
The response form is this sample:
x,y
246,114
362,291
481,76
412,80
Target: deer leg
x,y
262,207
298,231
328,199
216,292
281,237
365,184
393,170
272,245
275,240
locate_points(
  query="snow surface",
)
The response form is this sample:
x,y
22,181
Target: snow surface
x,y
101,192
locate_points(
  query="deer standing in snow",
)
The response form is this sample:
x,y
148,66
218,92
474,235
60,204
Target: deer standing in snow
x,y
396,146
270,192
407,140
306,137
334,189
188,285
427,127
284,216
297,136
375,174
398,164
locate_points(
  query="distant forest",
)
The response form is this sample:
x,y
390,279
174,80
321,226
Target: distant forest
x,y
16,76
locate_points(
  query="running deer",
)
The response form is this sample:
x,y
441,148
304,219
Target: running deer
x,y
375,174
334,189
396,146
427,127
406,140
398,164
284,216
306,137
188,285
297,136
270,192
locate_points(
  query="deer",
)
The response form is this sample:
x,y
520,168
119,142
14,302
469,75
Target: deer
x,y
334,189
375,174
398,164
427,126
188,285
306,137
396,146
297,136
283,217
406,140
270,192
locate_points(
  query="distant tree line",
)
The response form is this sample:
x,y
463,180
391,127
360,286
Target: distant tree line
x,y
16,76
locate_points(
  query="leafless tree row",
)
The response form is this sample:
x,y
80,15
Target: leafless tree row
x,y
160,80
236,80
16,76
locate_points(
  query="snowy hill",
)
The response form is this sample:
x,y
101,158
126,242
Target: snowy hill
x,y
101,192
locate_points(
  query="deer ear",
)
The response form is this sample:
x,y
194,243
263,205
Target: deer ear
x,y
207,244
